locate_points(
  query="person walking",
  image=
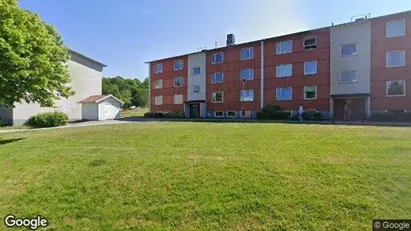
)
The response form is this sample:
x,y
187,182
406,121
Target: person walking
x,y
300,112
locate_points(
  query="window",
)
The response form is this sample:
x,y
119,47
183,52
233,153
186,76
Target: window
x,y
285,93
218,114
159,67
348,76
247,95
284,70
310,43
247,74
217,77
231,114
158,83
195,89
158,100
217,58
395,29
284,47
178,82
395,58
217,97
310,92
178,99
396,88
246,114
178,65
247,53
349,50
310,67
196,71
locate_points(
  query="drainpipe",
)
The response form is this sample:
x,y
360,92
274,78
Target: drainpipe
x,y
262,74
149,87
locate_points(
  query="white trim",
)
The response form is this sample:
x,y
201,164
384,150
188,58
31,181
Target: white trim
x,y
155,85
149,87
178,102
276,98
250,51
178,78
215,114
108,96
248,69
386,28
283,76
262,75
192,88
356,76
222,97
348,44
386,88
215,54
316,67
386,59
182,65
308,37
155,100
241,95
281,52
212,77
159,64
235,114
316,92
192,71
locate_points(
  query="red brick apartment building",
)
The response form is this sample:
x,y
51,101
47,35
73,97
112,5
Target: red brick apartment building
x,y
360,66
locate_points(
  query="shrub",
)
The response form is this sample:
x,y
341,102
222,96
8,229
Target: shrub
x,y
312,115
48,119
398,116
174,115
272,112
149,115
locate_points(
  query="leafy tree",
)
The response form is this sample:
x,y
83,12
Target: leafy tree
x,y
131,91
33,60
140,98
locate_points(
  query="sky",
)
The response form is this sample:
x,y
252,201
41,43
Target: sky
x,y
124,34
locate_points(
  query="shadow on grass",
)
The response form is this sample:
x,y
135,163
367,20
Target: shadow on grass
x,y
7,141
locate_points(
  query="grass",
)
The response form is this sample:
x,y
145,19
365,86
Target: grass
x,y
139,112
207,176
14,127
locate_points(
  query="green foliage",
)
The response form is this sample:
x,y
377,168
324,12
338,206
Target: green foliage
x,y
272,112
312,115
33,59
48,119
131,91
170,115
398,116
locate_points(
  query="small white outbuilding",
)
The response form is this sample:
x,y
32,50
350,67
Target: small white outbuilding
x,y
100,107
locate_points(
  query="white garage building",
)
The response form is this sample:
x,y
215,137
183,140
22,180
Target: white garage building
x,y
100,107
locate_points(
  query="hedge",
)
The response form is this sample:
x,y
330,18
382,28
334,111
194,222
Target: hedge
x,y
48,119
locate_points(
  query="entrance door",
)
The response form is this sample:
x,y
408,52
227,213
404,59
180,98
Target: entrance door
x,y
349,109
195,110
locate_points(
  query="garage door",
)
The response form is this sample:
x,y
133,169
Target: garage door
x,y
110,111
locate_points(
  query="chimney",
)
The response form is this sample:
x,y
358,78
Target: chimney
x,y
230,40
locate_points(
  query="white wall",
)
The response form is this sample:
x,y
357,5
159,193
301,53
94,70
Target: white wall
x,y
89,111
196,60
359,33
86,80
104,107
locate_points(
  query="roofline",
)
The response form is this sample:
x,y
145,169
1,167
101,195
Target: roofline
x,y
88,58
108,96
279,36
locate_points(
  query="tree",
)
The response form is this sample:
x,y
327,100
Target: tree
x,y
140,98
33,60
131,91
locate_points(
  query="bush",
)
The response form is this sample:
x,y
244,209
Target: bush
x,y
272,112
48,119
397,116
171,115
312,115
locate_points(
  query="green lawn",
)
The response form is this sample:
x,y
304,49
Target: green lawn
x,y
207,176
139,112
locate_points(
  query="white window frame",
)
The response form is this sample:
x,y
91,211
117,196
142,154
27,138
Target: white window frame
x,y
192,89
356,76
222,97
182,80
394,21
159,65
280,52
250,72
212,77
192,71
386,59
235,114
387,84
158,97
316,92
310,37
179,102
247,100
155,84
214,58
250,52
316,67
278,88
283,76
215,114
181,66
348,44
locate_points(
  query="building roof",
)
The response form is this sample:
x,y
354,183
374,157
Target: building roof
x,y
88,58
98,99
277,37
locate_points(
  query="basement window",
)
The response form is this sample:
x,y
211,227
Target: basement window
x,y
218,114
310,43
